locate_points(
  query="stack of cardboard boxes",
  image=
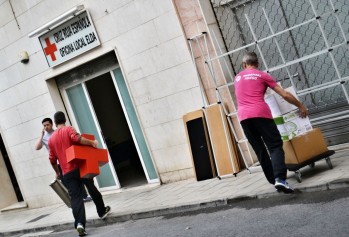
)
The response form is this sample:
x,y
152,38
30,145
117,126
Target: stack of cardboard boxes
x,y
301,141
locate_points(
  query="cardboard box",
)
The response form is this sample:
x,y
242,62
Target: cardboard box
x,y
286,115
273,105
304,147
296,125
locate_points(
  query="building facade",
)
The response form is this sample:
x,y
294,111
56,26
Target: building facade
x,y
131,91
123,71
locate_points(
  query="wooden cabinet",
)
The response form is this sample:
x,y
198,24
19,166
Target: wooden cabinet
x,y
198,138
214,152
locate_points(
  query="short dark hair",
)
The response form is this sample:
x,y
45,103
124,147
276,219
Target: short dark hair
x,y
250,58
59,118
47,120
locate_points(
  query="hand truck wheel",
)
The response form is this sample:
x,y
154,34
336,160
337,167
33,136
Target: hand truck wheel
x,y
298,176
329,163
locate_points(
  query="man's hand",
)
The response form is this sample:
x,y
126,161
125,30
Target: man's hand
x,y
95,144
55,168
39,144
88,142
58,176
303,111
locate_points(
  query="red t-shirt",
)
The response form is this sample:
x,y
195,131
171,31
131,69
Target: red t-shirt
x,y
60,140
250,86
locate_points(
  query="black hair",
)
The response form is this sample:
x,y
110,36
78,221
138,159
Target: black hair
x,y
59,118
251,59
47,120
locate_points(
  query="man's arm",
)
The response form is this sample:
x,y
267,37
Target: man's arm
x,y
88,142
55,168
303,112
39,145
76,138
53,159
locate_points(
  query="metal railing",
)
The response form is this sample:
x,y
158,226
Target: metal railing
x,y
306,38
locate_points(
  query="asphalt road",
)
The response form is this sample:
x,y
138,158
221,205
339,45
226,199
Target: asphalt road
x,y
303,214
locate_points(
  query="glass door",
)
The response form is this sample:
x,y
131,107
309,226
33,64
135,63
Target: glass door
x,y
86,122
135,127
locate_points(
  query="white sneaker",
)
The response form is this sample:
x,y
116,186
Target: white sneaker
x,y
81,230
107,211
282,185
87,198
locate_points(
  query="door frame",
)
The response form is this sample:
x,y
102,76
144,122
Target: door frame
x,y
131,128
119,65
75,125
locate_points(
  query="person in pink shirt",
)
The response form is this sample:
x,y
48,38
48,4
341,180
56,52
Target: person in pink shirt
x,y
257,122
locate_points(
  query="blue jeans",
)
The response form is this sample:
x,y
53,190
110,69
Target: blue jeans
x,y
262,134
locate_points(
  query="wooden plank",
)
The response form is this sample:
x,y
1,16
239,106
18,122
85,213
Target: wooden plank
x,y
219,140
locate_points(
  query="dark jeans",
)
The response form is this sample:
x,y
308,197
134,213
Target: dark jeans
x,y
75,186
260,131
63,181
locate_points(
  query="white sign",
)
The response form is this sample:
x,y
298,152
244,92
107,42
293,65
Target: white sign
x,y
70,39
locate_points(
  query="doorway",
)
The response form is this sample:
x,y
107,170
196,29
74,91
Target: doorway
x,y
115,131
6,166
98,102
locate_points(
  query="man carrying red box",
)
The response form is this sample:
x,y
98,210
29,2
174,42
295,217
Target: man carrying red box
x,y
63,138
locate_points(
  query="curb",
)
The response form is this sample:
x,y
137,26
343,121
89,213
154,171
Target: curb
x,y
112,219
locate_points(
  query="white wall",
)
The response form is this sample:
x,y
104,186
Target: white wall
x,y
157,65
7,195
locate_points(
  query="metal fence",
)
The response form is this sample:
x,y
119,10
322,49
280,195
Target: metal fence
x,y
303,43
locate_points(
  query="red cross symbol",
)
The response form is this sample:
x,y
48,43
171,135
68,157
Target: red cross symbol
x,y
88,158
50,49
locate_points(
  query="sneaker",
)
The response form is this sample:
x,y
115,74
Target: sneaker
x,y
87,198
81,230
107,211
282,185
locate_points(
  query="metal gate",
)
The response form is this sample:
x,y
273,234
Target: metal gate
x,y
303,43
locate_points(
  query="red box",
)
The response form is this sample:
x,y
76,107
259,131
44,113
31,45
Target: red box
x,y
88,158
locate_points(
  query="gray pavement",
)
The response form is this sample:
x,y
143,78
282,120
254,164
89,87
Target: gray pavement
x,y
189,195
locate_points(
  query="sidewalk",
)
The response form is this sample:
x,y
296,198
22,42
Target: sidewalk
x,y
150,201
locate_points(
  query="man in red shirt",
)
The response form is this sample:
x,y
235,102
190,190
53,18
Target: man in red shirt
x,y
60,140
46,133
257,122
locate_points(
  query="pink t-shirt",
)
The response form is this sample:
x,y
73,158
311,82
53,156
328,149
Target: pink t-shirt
x,y
61,139
250,86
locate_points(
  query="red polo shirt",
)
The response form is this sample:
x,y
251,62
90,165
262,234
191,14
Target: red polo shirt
x,y
61,139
